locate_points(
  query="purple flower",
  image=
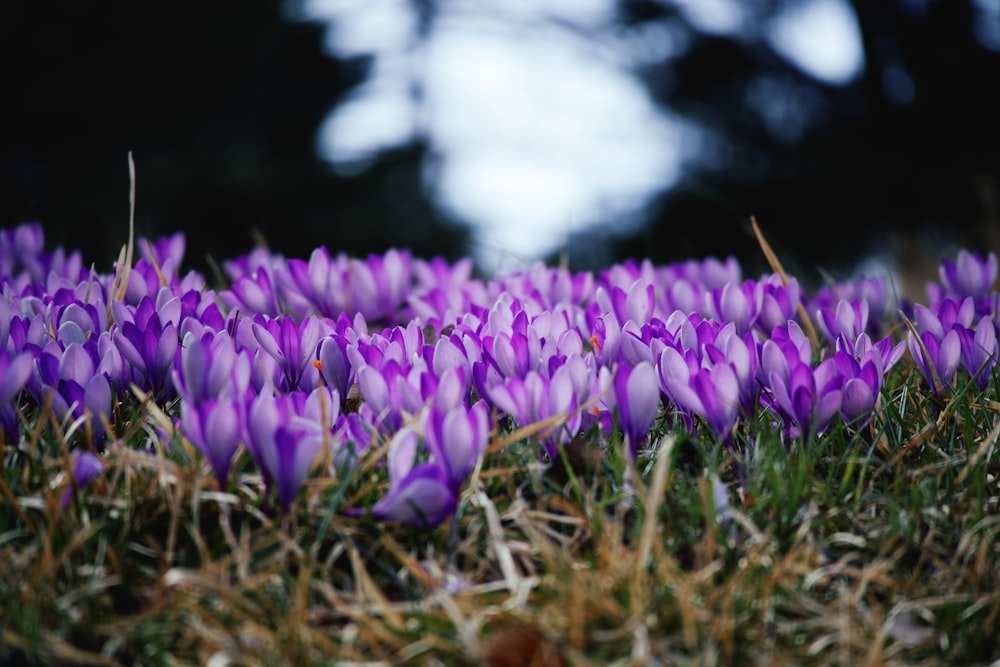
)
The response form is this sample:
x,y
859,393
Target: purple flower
x,y
712,392
321,283
148,340
78,390
166,251
862,382
210,367
335,365
941,358
779,302
784,350
86,467
635,304
637,397
969,276
736,303
457,437
809,397
285,433
938,350
420,494
215,427
293,347
389,392
14,373
381,284
537,398
979,350
872,291
849,320
253,293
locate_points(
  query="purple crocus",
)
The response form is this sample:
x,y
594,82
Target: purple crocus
x,y
86,467
537,398
970,275
711,392
214,426
635,304
147,339
808,397
736,303
253,293
380,284
862,382
457,437
14,373
637,397
206,364
77,388
979,350
285,433
848,320
938,359
293,347
420,494
938,350
779,302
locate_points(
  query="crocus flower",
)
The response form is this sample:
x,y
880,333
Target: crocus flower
x,y
14,373
979,350
335,365
938,351
380,284
86,467
848,320
420,494
941,358
285,433
736,303
208,367
538,398
214,426
253,293
711,392
457,437
970,275
165,250
637,397
809,398
77,388
147,339
389,392
321,284
292,346
862,382
635,304
779,302
784,350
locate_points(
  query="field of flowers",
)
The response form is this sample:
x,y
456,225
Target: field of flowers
x,y
338,460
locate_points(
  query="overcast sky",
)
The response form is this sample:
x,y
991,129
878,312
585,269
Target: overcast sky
x,y
538,128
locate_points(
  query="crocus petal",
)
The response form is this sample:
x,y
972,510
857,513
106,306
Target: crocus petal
x,y
86,467
221,432
14,374
857,399
949,356
421,499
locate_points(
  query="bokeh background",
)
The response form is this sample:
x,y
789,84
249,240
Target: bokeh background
x,y
859,133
